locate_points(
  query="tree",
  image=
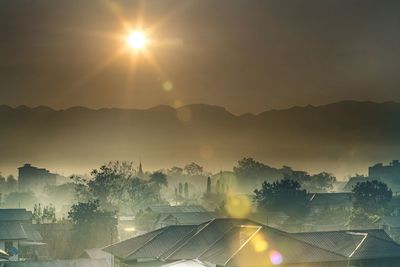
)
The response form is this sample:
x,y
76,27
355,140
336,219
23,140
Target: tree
x,y
48,215
186,190
373,197
359,219
284,195
208,185
12,184
93,227
175,172
193,169
321,182
158,179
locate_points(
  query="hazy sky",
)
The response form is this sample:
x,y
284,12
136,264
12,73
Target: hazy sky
x,y
246,55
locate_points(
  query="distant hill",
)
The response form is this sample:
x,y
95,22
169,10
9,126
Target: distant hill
x,y
343,137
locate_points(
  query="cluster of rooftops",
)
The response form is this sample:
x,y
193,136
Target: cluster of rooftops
x,y
242,242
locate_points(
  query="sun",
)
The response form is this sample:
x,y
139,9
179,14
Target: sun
x,y
137,40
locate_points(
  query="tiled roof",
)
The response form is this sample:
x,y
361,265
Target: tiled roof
x,y
235,242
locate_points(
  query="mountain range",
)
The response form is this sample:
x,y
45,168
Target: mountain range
x,y
343,138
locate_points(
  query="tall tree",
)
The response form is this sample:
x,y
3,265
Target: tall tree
x,y
373,197
158,179
193,169
208,185
93,227
284,195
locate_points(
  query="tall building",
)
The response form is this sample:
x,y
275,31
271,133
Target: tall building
x,y
33,178
391,171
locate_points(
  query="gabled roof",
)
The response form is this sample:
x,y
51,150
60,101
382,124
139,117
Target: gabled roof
x,y
12,231
206,237
15,215
236,242
354,244
289,248
125,248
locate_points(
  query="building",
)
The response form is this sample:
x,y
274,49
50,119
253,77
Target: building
x,y
389,174
33,178
158,216
18,237
385,172
245,243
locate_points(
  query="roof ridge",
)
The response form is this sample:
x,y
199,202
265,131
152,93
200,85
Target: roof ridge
x,y
358,246
184,243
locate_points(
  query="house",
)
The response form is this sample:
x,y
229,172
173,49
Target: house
x,y
163,215
242,242
18,237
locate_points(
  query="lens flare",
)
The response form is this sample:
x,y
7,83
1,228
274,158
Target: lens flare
x,y
238,206
275,257
259,243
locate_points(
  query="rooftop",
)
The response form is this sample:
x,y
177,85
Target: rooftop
x,y
237,242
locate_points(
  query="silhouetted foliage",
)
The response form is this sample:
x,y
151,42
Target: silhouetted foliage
x,y
12,184
193,169
93,226
115,185
158,180
360,219
373,197
284,195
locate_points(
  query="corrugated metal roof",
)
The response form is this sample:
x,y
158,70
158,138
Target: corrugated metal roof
x,y
206,237
12,231
124,248
232,242
164,241
220,252
290,249
355,244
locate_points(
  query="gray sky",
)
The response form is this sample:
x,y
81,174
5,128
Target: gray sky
x,y
245,55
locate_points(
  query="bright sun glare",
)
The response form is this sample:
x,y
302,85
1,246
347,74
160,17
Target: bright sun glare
x,y
137,40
